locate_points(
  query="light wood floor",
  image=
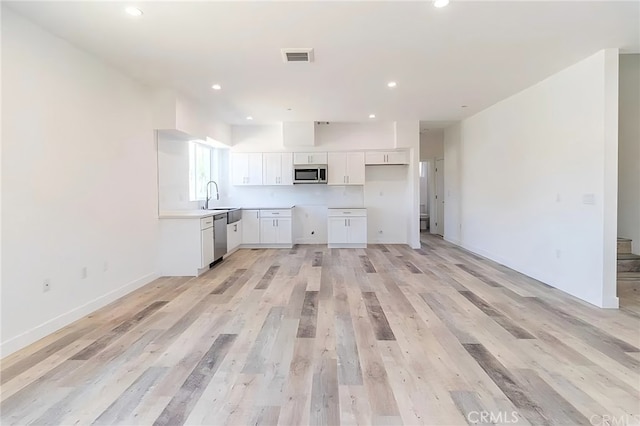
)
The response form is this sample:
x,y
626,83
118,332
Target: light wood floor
x,y
386,335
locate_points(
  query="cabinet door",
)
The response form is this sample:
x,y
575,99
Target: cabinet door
x,y
301,158
206,242
239,168
268,231
250,226
375,157
397,157
337,166
234,235
355,168
272,168
357,230
318,158
284,231
286,169
254,173
338,230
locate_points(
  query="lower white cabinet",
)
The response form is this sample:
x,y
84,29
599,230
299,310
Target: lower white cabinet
x,y
234,235
267,228
250,227
186,246
276,231
275,227
206,242
347,228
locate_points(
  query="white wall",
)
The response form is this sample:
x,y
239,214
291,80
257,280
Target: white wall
x,y
629,150
431,144
79,183
519,175
396,183
173,173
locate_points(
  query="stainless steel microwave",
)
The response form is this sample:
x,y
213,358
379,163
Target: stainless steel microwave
x,y
310,173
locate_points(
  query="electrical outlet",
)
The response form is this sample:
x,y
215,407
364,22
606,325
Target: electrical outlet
x,y
46,285
83,272
558,253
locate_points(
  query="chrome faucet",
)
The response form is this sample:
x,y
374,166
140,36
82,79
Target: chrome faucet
x,y
206,203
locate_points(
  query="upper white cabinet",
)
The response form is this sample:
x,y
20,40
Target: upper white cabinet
x,y
310,158
277,168
386,157
346,168
246,168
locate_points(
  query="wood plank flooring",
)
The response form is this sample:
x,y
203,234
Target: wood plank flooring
x,y
318,336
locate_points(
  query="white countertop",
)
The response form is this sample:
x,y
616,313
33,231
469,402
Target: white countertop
x,y
268,208
189,214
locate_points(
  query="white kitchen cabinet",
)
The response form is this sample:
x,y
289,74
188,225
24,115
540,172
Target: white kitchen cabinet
x,y
186,246
275,227
346,168
347,228
386,157
250,227
276,231
234,235
246,168
277,168
309,158
206,242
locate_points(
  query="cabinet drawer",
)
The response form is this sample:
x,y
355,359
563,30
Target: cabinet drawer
x,y
347,212
275,213
206,222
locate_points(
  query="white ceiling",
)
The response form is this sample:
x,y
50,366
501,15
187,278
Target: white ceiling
x,y
470,53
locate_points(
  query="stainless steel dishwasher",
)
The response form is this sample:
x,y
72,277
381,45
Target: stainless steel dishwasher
x,y
219,236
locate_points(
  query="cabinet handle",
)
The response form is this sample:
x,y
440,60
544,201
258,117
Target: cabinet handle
x,y
345,222
257,214
235,228
277,222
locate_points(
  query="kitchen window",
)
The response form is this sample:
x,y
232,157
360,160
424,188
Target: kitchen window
x,y
200,157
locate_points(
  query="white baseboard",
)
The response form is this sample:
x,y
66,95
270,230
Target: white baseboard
x,y
22,340
613,303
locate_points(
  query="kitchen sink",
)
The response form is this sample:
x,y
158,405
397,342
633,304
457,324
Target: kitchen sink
x,y
234,214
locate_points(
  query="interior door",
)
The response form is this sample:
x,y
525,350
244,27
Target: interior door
x,y
439,228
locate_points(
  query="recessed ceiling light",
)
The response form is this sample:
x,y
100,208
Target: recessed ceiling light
x,y
216,87
372,116
440,3
249,117
463,106
133,11
392,84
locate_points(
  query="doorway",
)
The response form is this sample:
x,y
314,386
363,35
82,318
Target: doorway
x,y
425,195
438,210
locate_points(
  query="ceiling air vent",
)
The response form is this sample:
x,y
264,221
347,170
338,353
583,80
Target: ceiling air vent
x,y
298,54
